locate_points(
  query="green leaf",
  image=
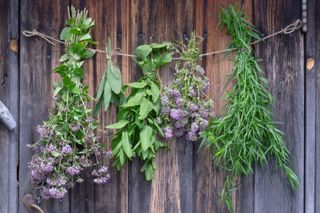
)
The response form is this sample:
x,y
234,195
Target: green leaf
x,y
120,124
114,78
134,100
65,34
145,137
159,46
155,91
138,85
145,108
56,91
101,86
85,37
107,96
143,51
125,144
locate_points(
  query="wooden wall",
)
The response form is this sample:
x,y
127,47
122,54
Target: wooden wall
x,y
186,180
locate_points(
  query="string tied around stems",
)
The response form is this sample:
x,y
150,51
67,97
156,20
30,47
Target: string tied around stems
x,y
117,52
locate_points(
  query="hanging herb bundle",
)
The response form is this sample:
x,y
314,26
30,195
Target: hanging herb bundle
x,y
67,144
246,135
186,108
137,130
110,86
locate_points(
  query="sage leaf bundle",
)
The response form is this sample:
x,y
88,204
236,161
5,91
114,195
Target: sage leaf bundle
x,y
137,129
246,135
110,86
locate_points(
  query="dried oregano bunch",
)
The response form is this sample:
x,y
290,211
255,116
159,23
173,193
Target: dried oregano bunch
x,y
137,130
185,107
246,135
67,144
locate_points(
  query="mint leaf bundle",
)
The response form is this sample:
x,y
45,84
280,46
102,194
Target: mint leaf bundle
x,y
137,130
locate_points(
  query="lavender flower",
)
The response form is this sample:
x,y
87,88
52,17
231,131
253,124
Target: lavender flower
x,y
164,100
203,124
193,107
194,127
192,136
179,102
73,170
100,180
103,169
66,149
168,132
43,131
57,193
76,128
176,114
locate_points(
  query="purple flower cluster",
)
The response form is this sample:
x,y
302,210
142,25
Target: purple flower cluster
x,y
101,175
186,108
60,162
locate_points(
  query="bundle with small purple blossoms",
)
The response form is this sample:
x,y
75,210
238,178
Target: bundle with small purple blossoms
x,y
186,108
67,146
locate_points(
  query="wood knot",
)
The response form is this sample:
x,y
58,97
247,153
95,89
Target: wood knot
x,y
310,63
13,45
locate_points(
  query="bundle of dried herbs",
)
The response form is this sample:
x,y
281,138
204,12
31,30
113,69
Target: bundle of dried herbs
x,y
137,130
111,83
67,144
185,107
246,135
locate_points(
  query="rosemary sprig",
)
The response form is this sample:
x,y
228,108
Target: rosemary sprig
x,y
246,135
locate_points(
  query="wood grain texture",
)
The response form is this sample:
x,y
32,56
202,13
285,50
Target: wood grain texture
x,y
9,77
37,58
312,169
282,61
312,100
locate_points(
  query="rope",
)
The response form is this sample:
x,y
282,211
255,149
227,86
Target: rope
x,y
287,30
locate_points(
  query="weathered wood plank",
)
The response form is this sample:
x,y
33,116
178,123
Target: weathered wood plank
x,y
9,79
312,146
36,61
171,190
282,61
311,113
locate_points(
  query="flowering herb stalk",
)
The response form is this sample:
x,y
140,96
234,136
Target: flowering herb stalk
x,y
67,144
246,135
137,131
185,106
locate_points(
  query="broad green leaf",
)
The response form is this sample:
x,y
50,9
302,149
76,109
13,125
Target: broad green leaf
x,y
126,145
101,86
145,137
145,108
107,96
138,85
134,100
114,78
85,37
65,34
143,51
155,91
120,124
